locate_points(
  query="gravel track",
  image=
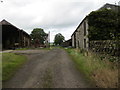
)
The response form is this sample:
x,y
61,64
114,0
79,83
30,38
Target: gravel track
x,y
47,69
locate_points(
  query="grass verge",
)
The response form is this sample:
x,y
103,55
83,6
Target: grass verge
x,y
34,49
102,72
10,63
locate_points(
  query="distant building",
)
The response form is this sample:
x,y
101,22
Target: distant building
x,y
67,43
47,40
13,37
80,36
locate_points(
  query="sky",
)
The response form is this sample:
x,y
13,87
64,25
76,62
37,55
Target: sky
x,y
56,16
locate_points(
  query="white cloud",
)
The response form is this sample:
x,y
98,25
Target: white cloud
x,y
57,16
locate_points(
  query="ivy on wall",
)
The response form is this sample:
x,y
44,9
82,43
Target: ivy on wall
x,y
104,24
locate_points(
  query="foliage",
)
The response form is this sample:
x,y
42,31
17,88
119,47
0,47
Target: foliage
x,y
59,38
103,25
38,36
10,63
102,72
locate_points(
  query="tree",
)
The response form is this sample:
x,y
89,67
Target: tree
x,y
59,38
38,36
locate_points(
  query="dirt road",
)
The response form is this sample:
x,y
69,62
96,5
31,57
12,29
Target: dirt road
x,y
47,69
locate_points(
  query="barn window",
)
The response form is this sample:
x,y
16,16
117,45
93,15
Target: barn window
x,y
84,28
84,43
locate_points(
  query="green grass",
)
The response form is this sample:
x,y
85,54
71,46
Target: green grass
x,y
23,48
34,49
102,72
10,64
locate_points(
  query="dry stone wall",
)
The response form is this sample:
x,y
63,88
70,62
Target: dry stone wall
x,y
111,47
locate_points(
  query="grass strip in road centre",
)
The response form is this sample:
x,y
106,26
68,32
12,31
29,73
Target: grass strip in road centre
x,y
10,63
48,79
102,72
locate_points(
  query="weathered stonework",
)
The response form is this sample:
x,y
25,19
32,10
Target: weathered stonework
x,y
111,47
79,37
73,40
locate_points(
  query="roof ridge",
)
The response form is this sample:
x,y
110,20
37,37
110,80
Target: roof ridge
x,y
5,22
112,4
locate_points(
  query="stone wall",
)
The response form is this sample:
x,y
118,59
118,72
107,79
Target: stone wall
x,y
73,41
111,47
81,35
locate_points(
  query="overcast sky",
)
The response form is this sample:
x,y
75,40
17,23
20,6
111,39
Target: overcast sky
x,y
56,16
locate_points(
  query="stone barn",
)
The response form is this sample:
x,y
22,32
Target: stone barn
x,y
13,37
80,36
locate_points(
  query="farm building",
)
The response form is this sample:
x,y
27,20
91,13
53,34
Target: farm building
x,y
67,43
80,37
111,6
13,37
